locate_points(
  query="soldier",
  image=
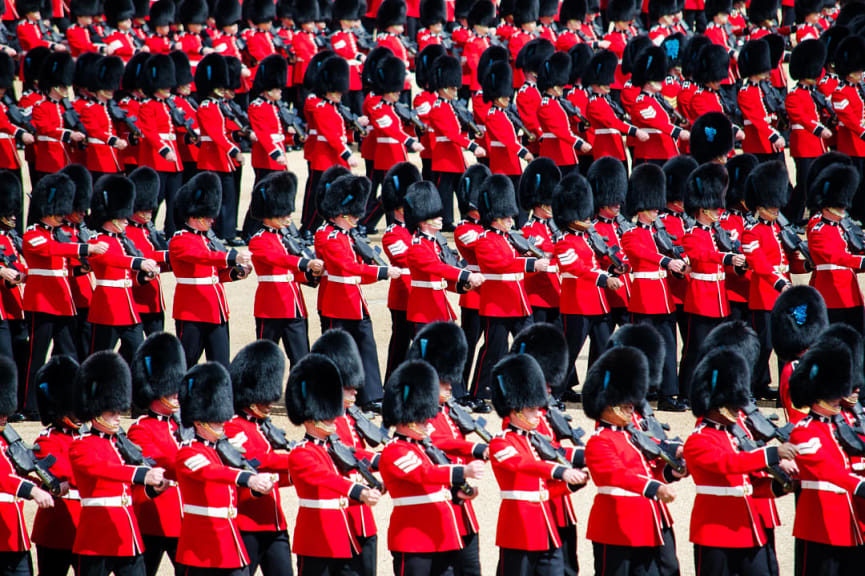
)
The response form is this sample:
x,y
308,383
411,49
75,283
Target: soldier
x,y
157,373
269,148
558,142
525,20
528,97
711,69
192,15
421,489
423,102
183,100
733,220
104,479
12,270
761,137
201,265
849,104
129,100
121,37
30,31
80,33
210,540
345,43
161,40
506,150
621,13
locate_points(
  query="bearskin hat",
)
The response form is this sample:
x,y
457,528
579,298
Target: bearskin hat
x,y
483,13
573,10
339,346
432,12
735,335
798,318
108,74
497,199
159,74
849,56
182,69
201,197
760,11
273,196
162,13
609,181
132,74
674,46
58,69
518,382
396,183
713,64
55,398
212,73
304,11
192,12
53,195
390,75
333,75
272,73
646,339
31,65
329,177
691,53
445,72
767,186
370,66
10,194
256,374
103,384
346,195
538,182
7,71
658,8
532,56
715,7
157,368
711,137
260,11
601,70
738,169
706,188
548,8
314,390
113,199
635,48
580,55
834,187
806,7
676,171
831,38
411,394
423,63
310,77
621,10
117,11
546,344
490,56
722,378
497,82
650,67
807,59
463,7
390,13
555,71
205,395
346,10
572,200
235,67
619,376
819,164
227,12
422,202
8,386
825,372
647,189
83,183
755,58
526,11
443,345
469,186
77,7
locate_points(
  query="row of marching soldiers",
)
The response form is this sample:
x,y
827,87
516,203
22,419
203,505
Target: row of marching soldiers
x,y
197,477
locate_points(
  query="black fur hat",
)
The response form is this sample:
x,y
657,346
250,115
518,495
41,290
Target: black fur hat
x,y
422,202
227,12
77,7
272,73
31,66
713,64
182,69
824,373
706,188
339,346
7,71
443,345
646,339
761,10
324,10
619,376
113,199
580,55
635,48
310,77
83,183
211,73
609,181
260,11
162,13
807,59
674,46
146,182
157,368
273,196
854,341
132,74
52,196
777,46
432,12
573,10
390,75
754,58
518,382
738,169
821,163
834,187
55,398
548,8
538,183
8,386
395,184
490,56
650,67
715,7
497,81
691,53
483,13
601,69
390,13
647,189
10,194
117,11
496,199
192,12
532,56
572,200
411,394
676,171
205,394
546,344
469,186
526,11
767,186
621,10
555,71
445,72
142,9
256,374
58,69
103,384
158,74
201,196
424,61
346,195
463,7
798,318
333,76
108,74
327,179
658,8
314,390
832,38
346,10
721,379
736,335
235,67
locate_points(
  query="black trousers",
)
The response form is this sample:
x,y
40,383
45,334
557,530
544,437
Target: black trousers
x,y
16,564
577,327
105,337
696,20
292,332
853,317
668,561
366,563
546,315
45,329
152,322
698,327
55,562
424,563
117,565
6,340
446,183
468,557
611,560
826,560
496,332
83,333
714,561
204,337
269,550
226,221
739,312
199,571
154,548
568,536
401,334
309,217
761,323
530,563
361,333
426,169
317,566
470,322
795,209
190,169
374,207
665,325
169,182
857,209
237,176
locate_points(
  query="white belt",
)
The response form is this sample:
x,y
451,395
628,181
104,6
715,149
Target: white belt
x,y
208,281
747,123
526,495
548,135
659,275
440,496
275,278
569,276
224,512
615,491
321,139
313,132
708,277
6,137
107,502
737,491
169,137
43,272
797,127
279,137
652,131
96,141
126,283
442,139
7,498
473,268
387,140
497,145
328,504
206,139
823,267
439,285
858,466
505,277
607,131
344,279
72,495
822,486
47,139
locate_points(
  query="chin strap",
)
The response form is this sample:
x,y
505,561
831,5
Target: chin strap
x,y
528,424
110,428
326,428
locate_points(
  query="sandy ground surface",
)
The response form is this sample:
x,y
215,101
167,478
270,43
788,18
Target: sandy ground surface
x,y
241,298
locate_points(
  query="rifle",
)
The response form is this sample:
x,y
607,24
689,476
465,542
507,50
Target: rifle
x,y
410,115
849,439
25,462
854,234
118,114
561,426
130,451
363,38
178,116
574,112
652,450
466,120
73,121
448,255
624,224
775,104
372,434
346,460
410,46
217,246
48,33
466,423
366,252
747,445
791,241
351,118
545,449
290,119
294,244
762,427
857,411
183,433
514,116
9,261
825,109
232,457
524,245
664,242
439,458
600,246
16,116
275,435
650,423
727,244
233,111
555,232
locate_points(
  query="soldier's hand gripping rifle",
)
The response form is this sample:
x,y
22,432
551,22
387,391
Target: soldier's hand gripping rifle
x,y
410,116
466,423
545,449
525,246
601,248
657,429
466,120
514,116
762,427
574,112
17,116
130,451
665,243
439,458
854,234
747,444
233,458
289,118
849,439
352,119
727,244
25,462
560,423
368,253
791,241
372,434
346,460
448,255
118,114
652,450
73,121
179,119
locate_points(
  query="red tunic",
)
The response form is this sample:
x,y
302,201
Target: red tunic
x,y
835,276
449,141
582,277
13,530
650,293
115,272
503,294
705,294
396,242
200,272
430,277
55,527
47,287
466,234
805,140
278,294
155,434
770,263
544,288
160,137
